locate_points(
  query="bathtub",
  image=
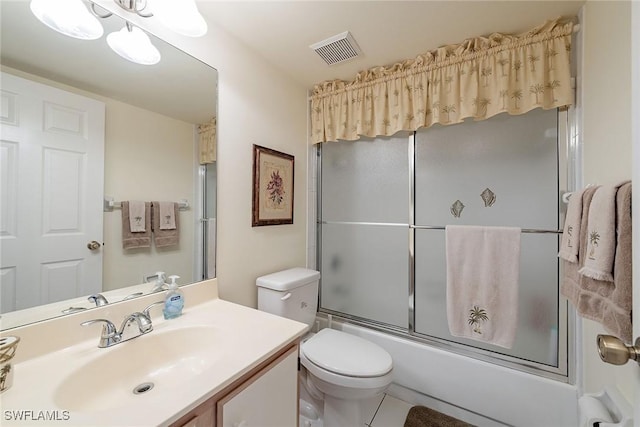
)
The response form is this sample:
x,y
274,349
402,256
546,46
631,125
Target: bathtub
x,y
477,392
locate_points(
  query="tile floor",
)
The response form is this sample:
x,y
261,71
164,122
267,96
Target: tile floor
x,y
386,411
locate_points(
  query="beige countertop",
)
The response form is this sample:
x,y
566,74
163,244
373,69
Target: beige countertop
x,y
228,341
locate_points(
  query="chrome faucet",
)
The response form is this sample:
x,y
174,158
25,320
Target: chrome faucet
x,y
110,336
147,309
98,299
143,321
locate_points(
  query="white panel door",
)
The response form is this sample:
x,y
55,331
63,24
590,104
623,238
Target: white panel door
x,y
51,191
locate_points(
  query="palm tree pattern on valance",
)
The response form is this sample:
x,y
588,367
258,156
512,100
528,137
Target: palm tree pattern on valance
x,y
208,141
478,78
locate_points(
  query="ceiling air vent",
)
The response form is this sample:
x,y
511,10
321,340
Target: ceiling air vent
x,y
337,49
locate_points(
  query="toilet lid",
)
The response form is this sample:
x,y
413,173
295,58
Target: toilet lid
x,y
346,354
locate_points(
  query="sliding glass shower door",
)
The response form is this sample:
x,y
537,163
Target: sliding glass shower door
x,y
364,235
504,171
383,207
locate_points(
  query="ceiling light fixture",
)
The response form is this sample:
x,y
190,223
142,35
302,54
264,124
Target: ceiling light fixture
x,y
181,17
69,17
134,45
72,18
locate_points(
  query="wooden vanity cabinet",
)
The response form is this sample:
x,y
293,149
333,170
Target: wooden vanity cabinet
x,y
265,396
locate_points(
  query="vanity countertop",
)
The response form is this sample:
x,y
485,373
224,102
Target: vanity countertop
x,y
242,338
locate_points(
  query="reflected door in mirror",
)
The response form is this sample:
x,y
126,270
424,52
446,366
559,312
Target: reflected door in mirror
x,y
51,194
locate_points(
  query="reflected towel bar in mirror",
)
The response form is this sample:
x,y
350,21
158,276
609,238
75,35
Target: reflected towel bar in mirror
x,y
110,204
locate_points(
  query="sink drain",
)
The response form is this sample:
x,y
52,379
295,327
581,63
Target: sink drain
x,y
142,388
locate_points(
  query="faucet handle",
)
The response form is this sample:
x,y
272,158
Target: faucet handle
x,y
148,308
109,327
143,321
98,299
131,296
109,334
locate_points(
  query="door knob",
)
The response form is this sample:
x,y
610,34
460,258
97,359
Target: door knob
x,y
613,350
93,245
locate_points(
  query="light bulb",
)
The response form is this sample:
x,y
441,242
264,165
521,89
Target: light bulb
x,y
134,45
181,16
69,17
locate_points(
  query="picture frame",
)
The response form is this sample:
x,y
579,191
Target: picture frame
x,y
273,185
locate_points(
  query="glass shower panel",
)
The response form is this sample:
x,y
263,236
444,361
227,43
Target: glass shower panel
x,y
366,180
513,157
211,186
209,219
365,271
537,330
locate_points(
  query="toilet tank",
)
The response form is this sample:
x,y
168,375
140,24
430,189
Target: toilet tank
x,y
290,293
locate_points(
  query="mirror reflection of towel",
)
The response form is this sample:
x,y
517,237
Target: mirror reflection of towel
x,y
131,240
137,216
161,237
167,216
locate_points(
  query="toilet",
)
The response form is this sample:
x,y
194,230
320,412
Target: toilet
x,y
339,368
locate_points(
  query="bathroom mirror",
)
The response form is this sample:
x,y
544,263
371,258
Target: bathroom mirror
x,y
151,123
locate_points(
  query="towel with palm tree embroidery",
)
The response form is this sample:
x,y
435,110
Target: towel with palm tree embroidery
x,y
601,234
483,269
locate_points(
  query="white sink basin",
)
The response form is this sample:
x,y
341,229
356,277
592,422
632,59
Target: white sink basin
x,y
165,359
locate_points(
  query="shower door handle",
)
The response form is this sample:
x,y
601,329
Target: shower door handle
x,y
613,350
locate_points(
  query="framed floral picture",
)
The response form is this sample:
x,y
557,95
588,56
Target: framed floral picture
x,y
272,187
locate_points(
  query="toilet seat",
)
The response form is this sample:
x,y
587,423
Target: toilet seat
x,y
344,354
348,383
346,368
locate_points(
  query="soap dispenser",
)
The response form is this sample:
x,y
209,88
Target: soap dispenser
x,y
174,301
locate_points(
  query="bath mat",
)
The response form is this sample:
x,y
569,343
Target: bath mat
x,y
421,416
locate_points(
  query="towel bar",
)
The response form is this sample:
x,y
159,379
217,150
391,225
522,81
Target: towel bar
x,y
524,230
110,204
429,227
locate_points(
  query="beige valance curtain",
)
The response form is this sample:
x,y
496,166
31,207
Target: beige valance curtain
x,y
478,78
208,141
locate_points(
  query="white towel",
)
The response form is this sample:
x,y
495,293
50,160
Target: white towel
x,y
601,234
167,216
483,267
137,215
571,234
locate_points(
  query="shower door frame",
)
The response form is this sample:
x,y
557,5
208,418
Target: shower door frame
x,y
569,179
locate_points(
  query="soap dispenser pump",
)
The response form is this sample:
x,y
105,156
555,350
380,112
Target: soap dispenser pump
x,y
174,301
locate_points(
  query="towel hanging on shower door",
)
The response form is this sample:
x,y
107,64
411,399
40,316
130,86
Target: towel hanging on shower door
x,y
483,268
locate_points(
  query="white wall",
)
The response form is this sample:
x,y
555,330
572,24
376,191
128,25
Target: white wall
x,y
606,85
257,105
148,157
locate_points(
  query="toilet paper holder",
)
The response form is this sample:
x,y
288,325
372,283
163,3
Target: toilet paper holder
x,y
613,350
607,408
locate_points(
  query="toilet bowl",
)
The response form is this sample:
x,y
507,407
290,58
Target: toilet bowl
x,y
344,368
347,369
